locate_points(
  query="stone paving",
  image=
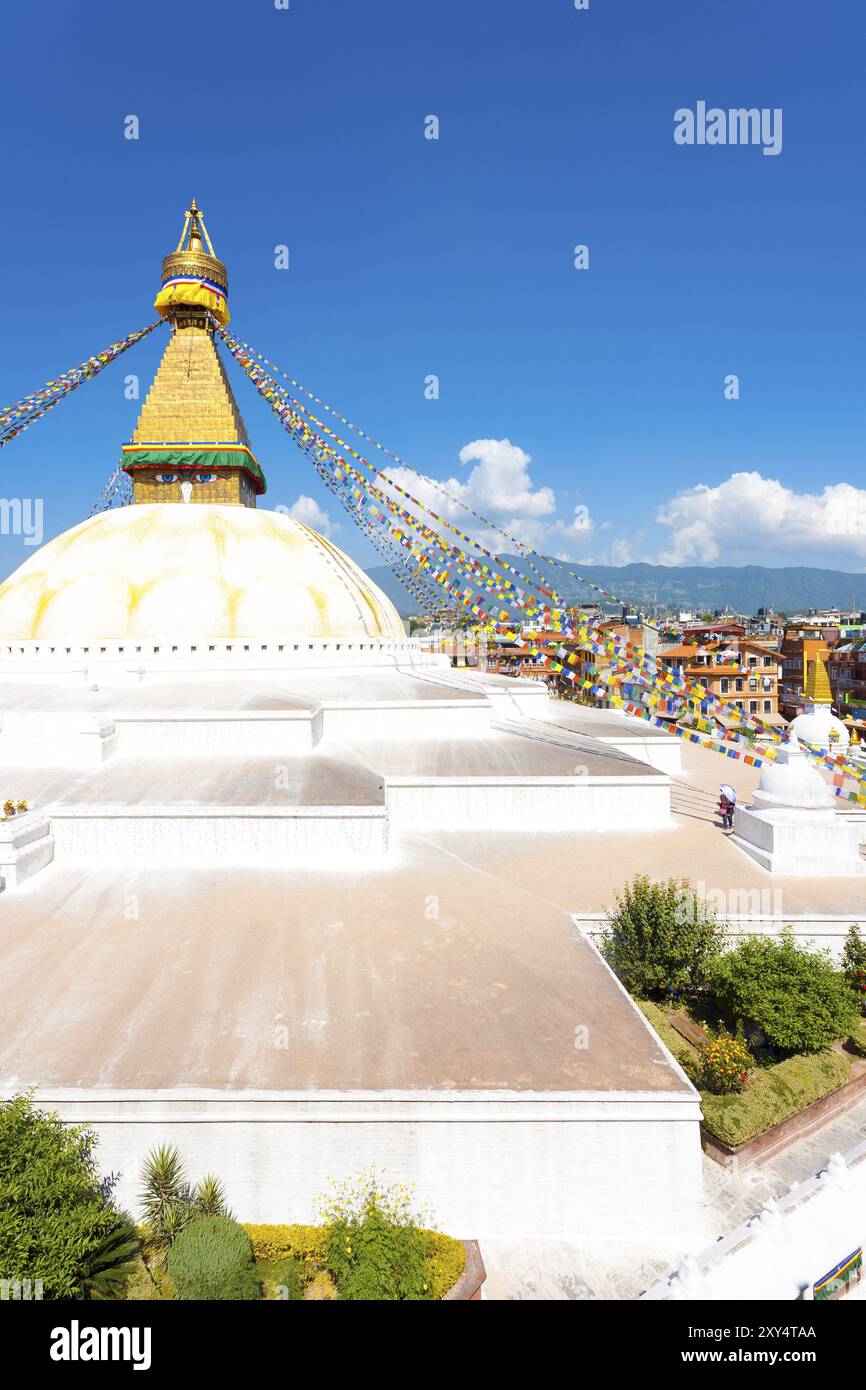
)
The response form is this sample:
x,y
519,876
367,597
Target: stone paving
x,y
561,1270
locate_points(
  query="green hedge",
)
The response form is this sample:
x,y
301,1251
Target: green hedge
x,y
773,1094
213,1259
445,1255
673,1041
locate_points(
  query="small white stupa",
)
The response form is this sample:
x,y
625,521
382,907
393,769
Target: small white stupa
x,y
818,725
792,826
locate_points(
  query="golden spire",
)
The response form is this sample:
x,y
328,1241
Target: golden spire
x,y
818,683
193,277
193,223
190,443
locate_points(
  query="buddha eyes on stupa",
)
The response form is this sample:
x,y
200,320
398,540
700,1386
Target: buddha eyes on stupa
x,y
205,478
166,477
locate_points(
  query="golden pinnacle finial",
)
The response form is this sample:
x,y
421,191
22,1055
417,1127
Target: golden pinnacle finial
x,y
192,276
195,229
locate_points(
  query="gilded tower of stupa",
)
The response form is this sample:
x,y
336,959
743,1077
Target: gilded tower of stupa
x,y
818,726
190,443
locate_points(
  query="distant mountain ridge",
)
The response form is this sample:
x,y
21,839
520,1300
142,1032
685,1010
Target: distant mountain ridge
x,y
742,588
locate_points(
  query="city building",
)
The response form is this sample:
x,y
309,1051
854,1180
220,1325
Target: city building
x,y
743,672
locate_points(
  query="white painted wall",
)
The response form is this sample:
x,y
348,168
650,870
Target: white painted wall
x,y
161,835
77,740
540,804
26,846
664,754
289,731
577,1166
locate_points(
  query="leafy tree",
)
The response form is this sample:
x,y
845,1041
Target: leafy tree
x,y
661,938
797,998
854,963
57,1220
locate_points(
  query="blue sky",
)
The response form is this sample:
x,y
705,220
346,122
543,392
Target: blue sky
x,y
411,257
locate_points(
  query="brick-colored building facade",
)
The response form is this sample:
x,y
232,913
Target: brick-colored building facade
x,y
743,673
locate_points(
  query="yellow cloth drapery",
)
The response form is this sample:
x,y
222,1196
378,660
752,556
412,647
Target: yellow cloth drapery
x,y
193,292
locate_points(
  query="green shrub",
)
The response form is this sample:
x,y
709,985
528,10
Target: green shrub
x,y
169,1202
772,1095
112,1263
854,963
321,1288
142,1285
277,1243
289,1280
795,997
213,1259
661,938
374,1244
57,1222
446,1258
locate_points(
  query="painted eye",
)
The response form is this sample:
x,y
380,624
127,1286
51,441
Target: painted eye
x,y
166,477
205,477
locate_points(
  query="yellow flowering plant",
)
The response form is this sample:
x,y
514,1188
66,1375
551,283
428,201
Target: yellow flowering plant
x,y
375,1239
725,1064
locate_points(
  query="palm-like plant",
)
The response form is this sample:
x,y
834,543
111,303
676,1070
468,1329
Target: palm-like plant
x,y
174,1219
109,1266
166,1194
210,1197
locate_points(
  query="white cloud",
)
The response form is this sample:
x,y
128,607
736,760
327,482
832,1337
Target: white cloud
x,y
619,552
580,527
500,487
500,479
752,518
307,510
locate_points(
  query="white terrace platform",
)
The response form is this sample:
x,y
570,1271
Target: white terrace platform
x,y
293,925
228,923
313,767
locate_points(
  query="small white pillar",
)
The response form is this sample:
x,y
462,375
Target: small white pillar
x,y
791,826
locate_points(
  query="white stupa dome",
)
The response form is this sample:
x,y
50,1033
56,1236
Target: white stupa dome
x,y
190,573
792,781
819,727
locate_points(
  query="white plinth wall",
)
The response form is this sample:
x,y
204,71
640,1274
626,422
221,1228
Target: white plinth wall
x,y
790,841
792,826
571,1166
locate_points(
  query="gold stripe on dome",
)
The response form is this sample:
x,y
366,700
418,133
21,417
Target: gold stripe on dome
x,y
195,263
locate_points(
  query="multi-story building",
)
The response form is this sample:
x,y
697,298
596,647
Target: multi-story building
x,y
509,659
742,672
846,667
